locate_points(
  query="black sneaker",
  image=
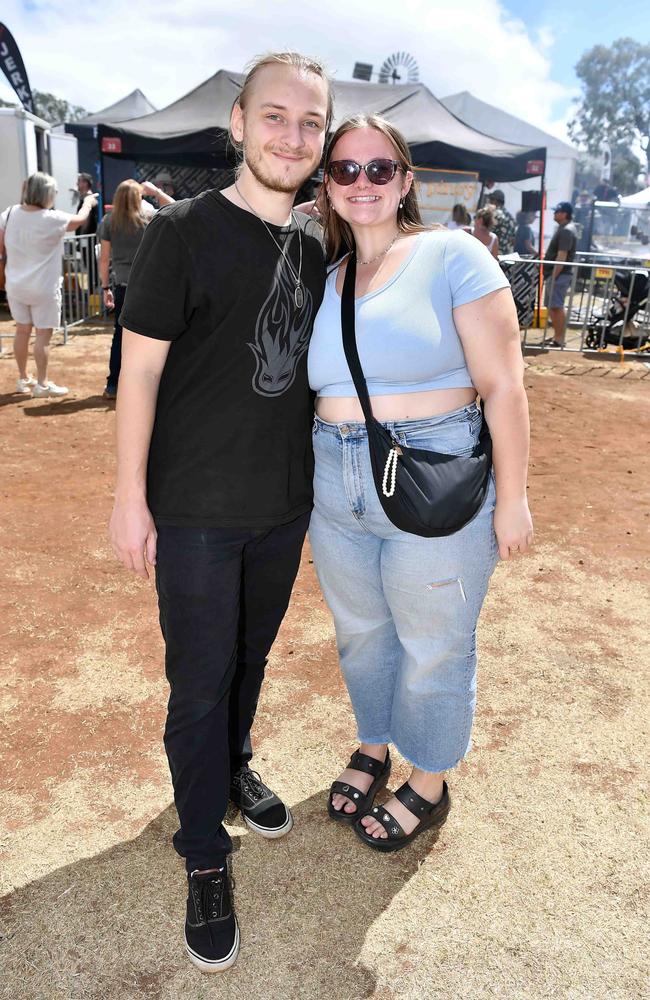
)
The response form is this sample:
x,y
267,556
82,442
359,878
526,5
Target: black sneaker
x,y
211,928
262,810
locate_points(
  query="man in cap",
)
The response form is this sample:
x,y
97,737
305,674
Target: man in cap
x,y
558,277
504,224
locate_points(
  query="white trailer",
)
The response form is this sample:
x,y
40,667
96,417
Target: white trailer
x,y
27,144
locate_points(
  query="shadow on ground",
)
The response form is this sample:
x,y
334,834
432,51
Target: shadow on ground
x,y
111,926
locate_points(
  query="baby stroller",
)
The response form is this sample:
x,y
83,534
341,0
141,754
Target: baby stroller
x,y
607,328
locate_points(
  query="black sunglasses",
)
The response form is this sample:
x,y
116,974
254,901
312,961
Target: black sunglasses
x,y
345,172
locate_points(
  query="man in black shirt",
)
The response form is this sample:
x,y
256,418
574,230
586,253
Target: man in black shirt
x,y
215,463
558,277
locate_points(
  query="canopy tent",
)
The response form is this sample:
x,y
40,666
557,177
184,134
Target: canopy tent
x,y
560,156
639,200
193,130
134,105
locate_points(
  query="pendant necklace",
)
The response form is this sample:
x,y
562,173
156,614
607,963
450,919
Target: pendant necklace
x,y
299,292
383,252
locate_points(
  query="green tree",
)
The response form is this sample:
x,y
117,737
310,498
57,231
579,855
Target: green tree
x,y
615,102
625,170
54,109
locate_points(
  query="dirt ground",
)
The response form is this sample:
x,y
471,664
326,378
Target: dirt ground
x,y
534,888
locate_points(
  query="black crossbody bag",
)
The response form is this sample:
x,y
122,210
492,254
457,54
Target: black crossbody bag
x,y
422,492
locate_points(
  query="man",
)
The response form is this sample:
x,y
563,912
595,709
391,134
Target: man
x,y
558,277
504,224
214,460
84,188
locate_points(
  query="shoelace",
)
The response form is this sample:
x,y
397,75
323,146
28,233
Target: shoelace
x,y
208,894
251,784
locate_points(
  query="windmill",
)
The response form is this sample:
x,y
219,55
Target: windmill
x,y
400,67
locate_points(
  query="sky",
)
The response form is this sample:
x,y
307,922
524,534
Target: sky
x,y
516,54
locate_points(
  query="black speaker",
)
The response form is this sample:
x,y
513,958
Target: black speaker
x,y
531,201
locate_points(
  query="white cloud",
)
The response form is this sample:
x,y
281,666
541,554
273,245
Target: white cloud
x,y
95,55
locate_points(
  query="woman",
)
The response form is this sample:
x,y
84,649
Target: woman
x,y
482,230
460,217
120,234
524,237
31,242
435,325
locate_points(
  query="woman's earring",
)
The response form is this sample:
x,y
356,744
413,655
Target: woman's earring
x,y
401,204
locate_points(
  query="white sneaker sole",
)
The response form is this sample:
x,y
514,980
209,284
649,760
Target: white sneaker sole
x,y
218,964
275,832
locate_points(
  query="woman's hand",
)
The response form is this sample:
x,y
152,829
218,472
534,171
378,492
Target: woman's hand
x,y
513,526
109,301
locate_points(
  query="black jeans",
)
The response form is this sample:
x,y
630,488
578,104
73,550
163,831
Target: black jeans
x,y
222,594
115,361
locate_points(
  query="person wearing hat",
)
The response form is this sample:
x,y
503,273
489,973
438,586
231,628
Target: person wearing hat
x,y
504,224
558,277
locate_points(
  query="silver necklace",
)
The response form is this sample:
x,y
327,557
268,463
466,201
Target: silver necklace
x,y
298,292
382,254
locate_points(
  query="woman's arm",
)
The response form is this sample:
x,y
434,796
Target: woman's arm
x,y
77,220
104,272
151,191
495,246
489,332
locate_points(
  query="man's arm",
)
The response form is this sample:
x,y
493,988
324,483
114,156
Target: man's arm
x,y
561,255
132,531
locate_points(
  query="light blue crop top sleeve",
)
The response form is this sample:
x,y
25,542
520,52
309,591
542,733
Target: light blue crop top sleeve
x,y
406,336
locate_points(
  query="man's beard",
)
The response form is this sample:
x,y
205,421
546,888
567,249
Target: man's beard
x,y
254,162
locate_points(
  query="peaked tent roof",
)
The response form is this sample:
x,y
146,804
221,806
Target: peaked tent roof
x,y
479,114
193,128
134,105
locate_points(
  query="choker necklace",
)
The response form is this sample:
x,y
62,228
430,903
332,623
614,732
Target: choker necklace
x,y
298,292
382,254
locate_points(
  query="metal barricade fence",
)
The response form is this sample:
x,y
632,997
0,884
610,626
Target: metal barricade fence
x,y
81,291
81,294
606,305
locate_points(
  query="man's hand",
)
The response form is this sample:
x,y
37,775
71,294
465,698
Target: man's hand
x,y
109,300
133,535
513,527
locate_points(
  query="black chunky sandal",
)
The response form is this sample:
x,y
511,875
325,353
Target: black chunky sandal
x,y
429,813
363,800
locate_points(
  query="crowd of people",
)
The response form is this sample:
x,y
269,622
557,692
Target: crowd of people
x,y
224,460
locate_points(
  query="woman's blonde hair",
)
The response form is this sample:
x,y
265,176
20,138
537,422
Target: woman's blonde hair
x,y
486,215
338,234
126,213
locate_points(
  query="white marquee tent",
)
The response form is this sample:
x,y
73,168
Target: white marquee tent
x,y
560,156
638,200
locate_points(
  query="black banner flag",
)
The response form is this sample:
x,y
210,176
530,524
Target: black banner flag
x,y
14,68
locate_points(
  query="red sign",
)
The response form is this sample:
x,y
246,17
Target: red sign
x,y
111,145
535,167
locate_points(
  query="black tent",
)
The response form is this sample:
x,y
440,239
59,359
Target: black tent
x,y
193,130
134,105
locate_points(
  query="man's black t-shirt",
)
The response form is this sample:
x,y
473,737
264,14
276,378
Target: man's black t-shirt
x,y
231,443
564,238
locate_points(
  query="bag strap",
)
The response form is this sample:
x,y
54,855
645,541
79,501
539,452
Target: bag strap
x,y
7,227
349,338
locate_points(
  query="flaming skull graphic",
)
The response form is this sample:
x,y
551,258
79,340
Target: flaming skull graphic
x,y
281,335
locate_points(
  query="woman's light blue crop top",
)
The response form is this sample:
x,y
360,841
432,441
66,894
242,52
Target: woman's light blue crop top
x,y
405,331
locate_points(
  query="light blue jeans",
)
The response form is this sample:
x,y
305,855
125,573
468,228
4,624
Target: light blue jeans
x,y
405,608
